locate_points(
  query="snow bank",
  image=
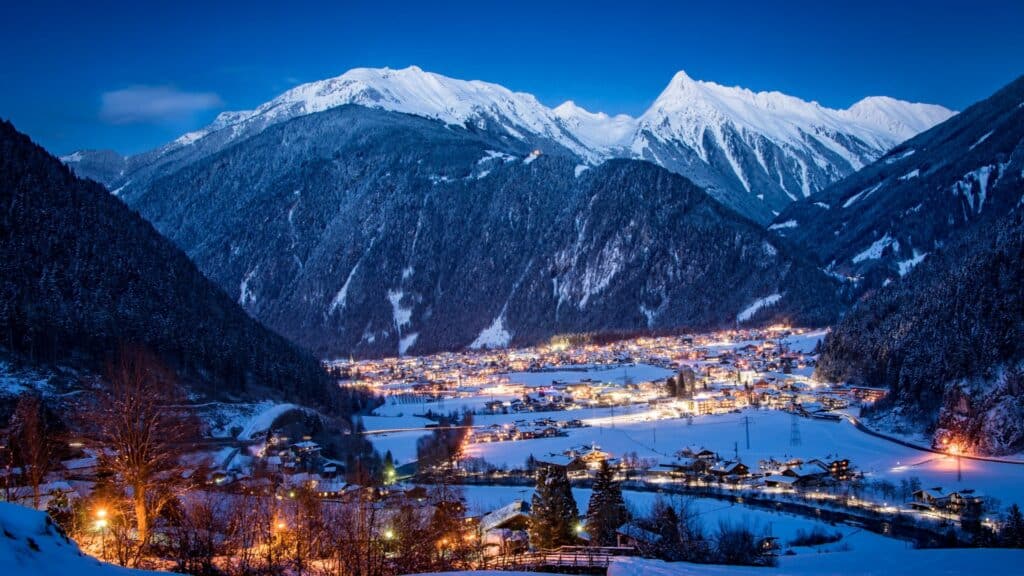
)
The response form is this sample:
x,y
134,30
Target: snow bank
x,y
34,545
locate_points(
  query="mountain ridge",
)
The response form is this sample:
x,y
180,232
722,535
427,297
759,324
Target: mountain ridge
x,y
383,233
805,147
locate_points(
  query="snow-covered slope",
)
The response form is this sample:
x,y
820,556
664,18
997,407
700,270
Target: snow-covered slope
x,y
758,151
754,151
879,223
411,91
34,545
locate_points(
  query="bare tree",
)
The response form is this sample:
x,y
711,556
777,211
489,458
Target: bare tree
x,y
136,423
33,444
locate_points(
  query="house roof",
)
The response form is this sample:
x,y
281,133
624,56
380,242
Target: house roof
x,y
496,518
634,531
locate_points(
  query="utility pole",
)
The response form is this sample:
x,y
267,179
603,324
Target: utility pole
x,y
746,421
794,430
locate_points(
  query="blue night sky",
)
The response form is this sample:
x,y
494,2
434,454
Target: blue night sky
x,y
73,74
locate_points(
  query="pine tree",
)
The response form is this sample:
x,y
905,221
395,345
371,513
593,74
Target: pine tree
x,y
607,509
1013,530
665,522
388,468
670,386
553,519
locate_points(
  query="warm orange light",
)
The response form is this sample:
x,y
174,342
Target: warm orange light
x,y
101,513
281,525
954,449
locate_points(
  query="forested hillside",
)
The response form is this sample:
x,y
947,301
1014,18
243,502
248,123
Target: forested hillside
x,y
81,275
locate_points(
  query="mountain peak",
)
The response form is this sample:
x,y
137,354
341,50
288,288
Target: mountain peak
x,y
899,117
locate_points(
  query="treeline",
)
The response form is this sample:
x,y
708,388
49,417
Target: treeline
x,y
670,531
81,274
958,316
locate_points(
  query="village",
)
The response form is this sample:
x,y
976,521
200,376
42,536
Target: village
x,y
733,417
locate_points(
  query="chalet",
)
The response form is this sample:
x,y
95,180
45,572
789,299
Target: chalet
x,y
779,481
698,453
504,531
593,456
689,466
80,467
331,488
868,394
729,468
838,468
807,474
957,502
632,535
556,461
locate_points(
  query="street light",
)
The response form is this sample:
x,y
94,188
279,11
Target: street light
x,y
955,451
101,525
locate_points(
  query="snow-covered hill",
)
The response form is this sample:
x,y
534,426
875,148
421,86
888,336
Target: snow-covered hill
x,y
34,545
754,151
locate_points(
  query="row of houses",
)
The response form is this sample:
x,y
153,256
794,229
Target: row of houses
x,y
702,464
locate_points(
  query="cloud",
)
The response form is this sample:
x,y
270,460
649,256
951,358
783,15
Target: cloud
x,y
154,105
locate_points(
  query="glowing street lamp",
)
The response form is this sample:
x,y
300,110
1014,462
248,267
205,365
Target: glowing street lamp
x,y
954,449
101,526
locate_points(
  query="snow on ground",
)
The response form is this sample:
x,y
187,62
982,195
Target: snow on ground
x,y
781,225
887,557
264,417
865,557
406,342
874,251
708,512
373,423
397,406
494,336
806,342
749,311
15,381
908,265
33,545
402,445
771,433
618,374
862,194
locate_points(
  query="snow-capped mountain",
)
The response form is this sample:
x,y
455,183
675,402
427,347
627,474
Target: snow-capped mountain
x,y
758,151
755,152
365,231
411,91
882,221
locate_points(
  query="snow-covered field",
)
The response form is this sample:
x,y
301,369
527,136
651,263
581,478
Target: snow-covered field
x,y
395,407
617,374
884,557
708,512
864,558
773,434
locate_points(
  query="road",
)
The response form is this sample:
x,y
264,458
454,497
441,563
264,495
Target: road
x,y
864,428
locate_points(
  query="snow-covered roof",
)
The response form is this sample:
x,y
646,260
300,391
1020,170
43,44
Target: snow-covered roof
x,y
496,518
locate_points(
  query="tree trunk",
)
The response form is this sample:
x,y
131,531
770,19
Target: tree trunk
x,y
141,517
